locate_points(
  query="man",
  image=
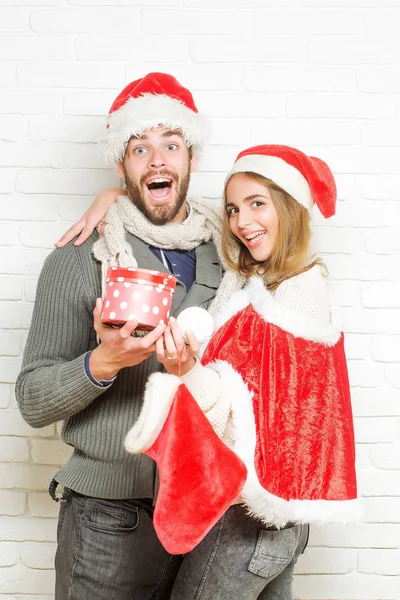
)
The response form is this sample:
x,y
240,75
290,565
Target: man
x,y
107,547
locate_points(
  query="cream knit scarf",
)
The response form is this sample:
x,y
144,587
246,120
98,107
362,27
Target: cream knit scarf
x,y
202,225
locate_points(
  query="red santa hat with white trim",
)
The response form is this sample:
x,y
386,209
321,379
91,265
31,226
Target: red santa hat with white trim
x,y
155,99
306,178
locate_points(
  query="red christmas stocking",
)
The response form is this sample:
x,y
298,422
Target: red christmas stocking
x,y
200,477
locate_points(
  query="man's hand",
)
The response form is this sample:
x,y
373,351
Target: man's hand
x,y
118,349
176,354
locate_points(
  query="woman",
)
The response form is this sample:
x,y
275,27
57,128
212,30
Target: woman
x,y
272,382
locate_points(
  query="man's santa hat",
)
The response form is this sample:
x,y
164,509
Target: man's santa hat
x,y
306,178
155,99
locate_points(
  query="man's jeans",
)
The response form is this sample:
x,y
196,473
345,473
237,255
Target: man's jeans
x,y
108,550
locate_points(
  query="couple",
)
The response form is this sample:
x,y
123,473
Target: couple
x,y
274,365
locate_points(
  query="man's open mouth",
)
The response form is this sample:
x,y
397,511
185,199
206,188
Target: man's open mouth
x,y
159,187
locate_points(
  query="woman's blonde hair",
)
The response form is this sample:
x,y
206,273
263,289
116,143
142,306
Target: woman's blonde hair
x,y
290,255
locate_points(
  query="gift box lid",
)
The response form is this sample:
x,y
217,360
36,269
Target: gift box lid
x,y
138,275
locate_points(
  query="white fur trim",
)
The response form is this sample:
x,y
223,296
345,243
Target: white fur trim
x,y
280,172
261,504
158,396
149,111
278,314
237,302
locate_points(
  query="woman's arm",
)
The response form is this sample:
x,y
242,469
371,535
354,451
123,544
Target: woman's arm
x,y
204,383
91,218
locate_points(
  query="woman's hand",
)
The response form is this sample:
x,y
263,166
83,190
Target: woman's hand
x,y
174,353
91,218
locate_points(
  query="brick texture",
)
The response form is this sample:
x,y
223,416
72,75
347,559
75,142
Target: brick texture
x,y
319,74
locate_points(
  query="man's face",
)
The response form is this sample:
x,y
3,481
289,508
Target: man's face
x,y
156,169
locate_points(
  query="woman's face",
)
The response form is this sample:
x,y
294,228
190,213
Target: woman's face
x,y
252,215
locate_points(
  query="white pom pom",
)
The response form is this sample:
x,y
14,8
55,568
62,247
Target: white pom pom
x,y
198,320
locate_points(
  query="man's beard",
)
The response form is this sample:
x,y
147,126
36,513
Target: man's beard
x,y
163,214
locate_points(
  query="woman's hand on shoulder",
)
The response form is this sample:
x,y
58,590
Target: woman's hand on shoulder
x,y
91,217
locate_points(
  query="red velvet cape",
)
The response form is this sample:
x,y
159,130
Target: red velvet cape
x,y
301,401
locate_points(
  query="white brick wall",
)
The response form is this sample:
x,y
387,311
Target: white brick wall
x,y
320,74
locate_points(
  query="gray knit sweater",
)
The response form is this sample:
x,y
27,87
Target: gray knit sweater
x,y
53,385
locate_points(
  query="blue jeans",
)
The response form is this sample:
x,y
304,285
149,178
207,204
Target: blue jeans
x,y
108,550
240,559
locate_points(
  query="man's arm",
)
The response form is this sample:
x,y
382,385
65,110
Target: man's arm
x,y
53,384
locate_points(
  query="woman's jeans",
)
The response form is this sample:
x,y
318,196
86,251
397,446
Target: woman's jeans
x,y
241,560
108,550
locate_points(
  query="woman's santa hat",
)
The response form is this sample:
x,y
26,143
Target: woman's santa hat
x,y
155,99
306,178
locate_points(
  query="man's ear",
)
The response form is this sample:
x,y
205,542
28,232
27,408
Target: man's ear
x,y
120,169
193,164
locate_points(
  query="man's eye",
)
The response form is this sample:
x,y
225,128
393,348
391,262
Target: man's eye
x,y
139,150
172,147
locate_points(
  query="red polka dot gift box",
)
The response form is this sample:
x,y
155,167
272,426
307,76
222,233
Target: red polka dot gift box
x,y
141,294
